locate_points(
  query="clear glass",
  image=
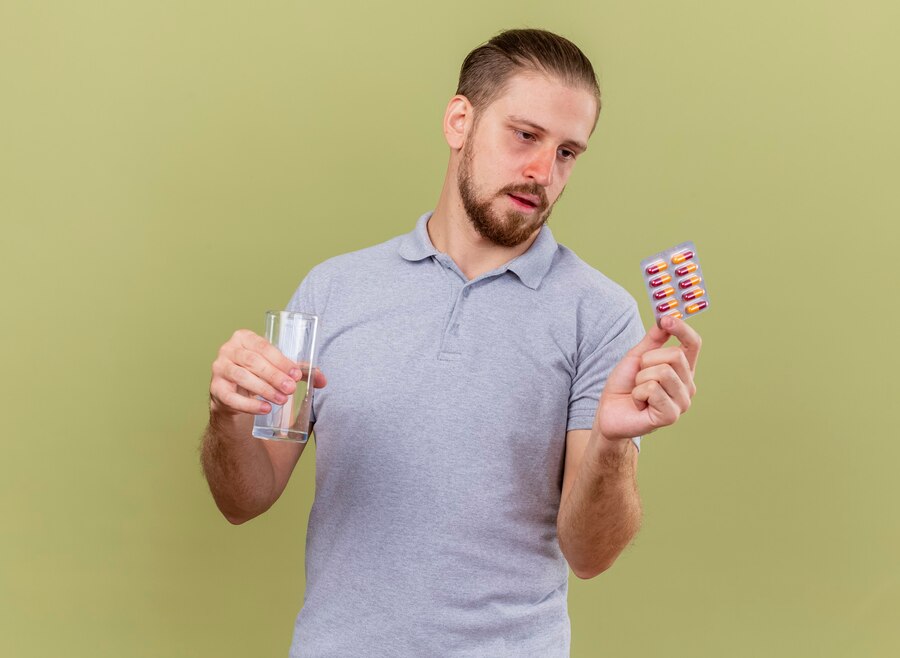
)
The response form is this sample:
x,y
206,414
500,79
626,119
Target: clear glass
x,y
294,334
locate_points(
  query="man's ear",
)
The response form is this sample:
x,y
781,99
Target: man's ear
x,y
458,120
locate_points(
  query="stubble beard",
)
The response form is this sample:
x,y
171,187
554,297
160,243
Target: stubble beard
x,y
510,228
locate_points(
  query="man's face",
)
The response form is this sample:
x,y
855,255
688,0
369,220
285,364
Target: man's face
x,y
515,164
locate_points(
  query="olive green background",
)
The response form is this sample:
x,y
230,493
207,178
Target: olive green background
x,y
170,170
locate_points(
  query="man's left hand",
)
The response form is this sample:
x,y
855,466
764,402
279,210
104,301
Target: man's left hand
x,y
652,385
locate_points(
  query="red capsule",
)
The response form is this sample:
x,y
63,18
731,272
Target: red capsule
x,y
697,306
693,294
686,269
662,293
690,282
661,279
667,305
656,267
682,256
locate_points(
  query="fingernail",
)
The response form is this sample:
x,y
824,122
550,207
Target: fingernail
x,y
666,322
295,373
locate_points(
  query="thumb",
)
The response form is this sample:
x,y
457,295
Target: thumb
x,y
653,339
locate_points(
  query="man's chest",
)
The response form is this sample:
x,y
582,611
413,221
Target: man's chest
x,y
426,370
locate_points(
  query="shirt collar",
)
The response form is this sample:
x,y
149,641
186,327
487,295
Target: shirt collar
x,y
530,267
416,245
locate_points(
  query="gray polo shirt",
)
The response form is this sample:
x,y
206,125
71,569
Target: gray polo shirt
x,y
440,443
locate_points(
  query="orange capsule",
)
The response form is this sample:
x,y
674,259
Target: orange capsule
x,y
690,282
662,293
693,294
675,314
682,256
697,306
667,305
686,269
661,279
656,267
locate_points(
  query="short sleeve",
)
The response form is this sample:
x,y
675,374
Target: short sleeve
x,y
304,301
594,366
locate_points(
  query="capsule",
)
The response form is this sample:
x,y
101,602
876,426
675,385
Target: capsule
x,y
662,293
682,256
696,306
657,266
674,314
660,280
693,294
690,282
686,269
667,305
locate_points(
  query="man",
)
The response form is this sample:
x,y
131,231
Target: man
x,y
462,459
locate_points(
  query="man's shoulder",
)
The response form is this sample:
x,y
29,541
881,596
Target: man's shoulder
x,y
368,261
585,282
602,309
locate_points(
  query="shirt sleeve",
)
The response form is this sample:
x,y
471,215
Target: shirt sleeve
x,y
303,301
594,366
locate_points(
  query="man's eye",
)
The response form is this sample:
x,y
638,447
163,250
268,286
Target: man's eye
x,y
567,154
524,135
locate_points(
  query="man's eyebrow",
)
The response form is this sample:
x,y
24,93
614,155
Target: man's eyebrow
x,y
574,143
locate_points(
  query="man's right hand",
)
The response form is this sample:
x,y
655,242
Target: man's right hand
x,y
248,366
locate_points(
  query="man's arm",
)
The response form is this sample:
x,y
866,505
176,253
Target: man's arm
x,y
246,475
649,388
600,510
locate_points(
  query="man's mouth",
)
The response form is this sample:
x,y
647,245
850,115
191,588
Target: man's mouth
x,y
525,200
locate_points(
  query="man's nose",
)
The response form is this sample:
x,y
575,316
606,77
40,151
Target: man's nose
x,y
540,167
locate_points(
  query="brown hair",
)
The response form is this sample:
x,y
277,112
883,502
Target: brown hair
x,y
487,69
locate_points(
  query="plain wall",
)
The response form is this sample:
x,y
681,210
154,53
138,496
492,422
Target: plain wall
x,y
170,170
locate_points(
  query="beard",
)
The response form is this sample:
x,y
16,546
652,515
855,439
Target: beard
x,y
509,228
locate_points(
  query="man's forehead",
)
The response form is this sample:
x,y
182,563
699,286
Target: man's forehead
x,y
547,103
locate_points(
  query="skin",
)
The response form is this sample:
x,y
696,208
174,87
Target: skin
x,y
524,144
526,141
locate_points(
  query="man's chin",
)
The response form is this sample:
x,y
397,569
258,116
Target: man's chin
x,y
509,238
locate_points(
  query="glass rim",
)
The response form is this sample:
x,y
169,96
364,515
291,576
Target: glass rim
x,y
301,314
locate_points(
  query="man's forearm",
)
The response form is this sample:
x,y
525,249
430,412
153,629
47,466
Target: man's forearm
x,y
602,512
238,470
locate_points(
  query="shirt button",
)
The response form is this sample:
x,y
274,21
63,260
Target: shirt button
x,y
466,292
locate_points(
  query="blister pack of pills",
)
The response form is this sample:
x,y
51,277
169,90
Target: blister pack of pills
x,y
674,281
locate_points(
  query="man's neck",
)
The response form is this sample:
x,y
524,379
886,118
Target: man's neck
x,y
452,233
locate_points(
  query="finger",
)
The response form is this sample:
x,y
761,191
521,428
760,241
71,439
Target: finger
x,y
253,384
652,340
676,358
663,410
319,380
222,396
643,393
258,365
690,340
671,383
256,343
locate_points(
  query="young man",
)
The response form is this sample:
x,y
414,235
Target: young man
x,y
463,462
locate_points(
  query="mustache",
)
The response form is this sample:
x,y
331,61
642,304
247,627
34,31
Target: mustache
x,y
534,190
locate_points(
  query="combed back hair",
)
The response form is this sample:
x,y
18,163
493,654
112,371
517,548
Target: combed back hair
x,y
486,70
